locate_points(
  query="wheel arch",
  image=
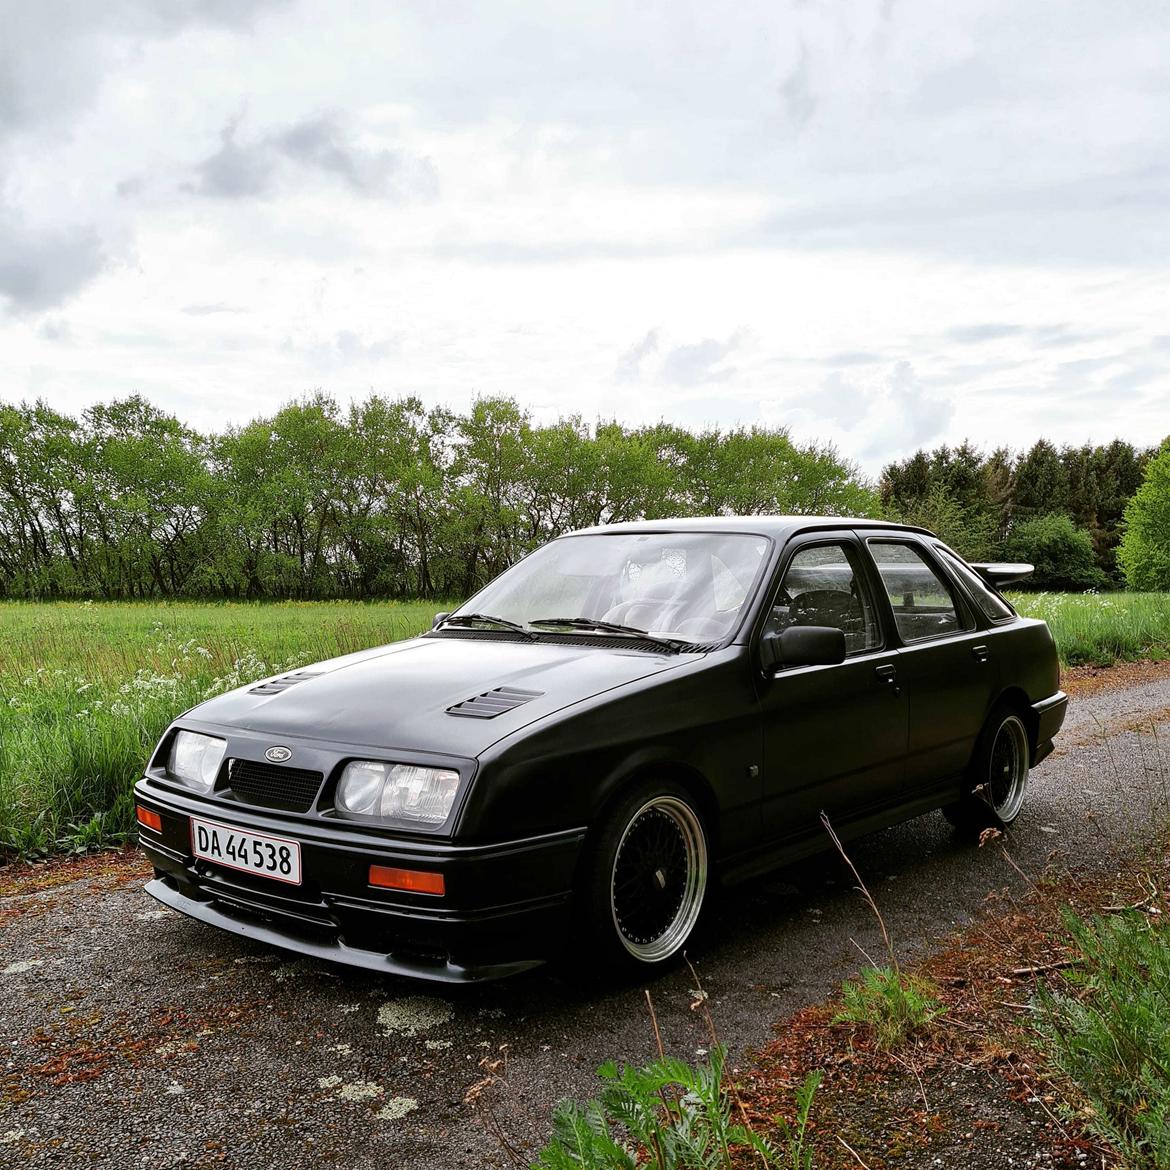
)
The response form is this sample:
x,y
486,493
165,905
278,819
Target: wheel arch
x,y
1021,705
687,776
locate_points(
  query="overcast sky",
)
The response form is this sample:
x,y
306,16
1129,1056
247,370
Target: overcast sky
x,y
883,223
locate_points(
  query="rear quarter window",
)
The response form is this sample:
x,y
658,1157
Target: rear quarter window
x,y
992,605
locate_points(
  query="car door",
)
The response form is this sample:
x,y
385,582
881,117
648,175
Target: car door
x,y
834,736
947,664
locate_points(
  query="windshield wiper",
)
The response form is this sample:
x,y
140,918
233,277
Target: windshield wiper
x,y
485,619
584,623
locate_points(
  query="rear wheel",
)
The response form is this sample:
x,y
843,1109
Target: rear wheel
x,y
997,775
646,879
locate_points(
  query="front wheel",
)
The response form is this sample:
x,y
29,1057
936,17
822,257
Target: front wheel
x,y
646,879
997,776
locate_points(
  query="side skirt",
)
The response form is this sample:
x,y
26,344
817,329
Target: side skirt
x,y
790,849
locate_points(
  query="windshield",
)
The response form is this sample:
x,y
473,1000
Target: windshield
x,y
690,586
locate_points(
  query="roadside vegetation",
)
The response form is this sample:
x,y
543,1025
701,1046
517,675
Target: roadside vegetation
x,y
1106,1027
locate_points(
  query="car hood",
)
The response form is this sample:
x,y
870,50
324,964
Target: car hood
x,y
398,696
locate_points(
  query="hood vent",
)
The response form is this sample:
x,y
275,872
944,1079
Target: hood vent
x,y
275,685
493,703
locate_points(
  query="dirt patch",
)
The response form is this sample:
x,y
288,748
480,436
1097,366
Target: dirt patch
x,y
972,1089
1091,680
106,870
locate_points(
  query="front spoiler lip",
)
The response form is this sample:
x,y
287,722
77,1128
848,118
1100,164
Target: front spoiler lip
x,y
507,902
334,951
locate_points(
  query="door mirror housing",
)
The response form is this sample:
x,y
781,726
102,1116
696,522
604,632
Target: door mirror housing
x,y
803,646
439,618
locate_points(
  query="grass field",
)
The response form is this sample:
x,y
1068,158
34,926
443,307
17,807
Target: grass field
x,y
1101,628
87,689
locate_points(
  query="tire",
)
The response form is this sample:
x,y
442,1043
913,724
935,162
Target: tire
x,y
997,777
645,881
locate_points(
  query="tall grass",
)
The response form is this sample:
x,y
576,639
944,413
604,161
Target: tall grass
x,y
86,690
1100,628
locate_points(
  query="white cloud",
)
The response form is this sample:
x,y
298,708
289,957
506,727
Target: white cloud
x,y
319,143
880,224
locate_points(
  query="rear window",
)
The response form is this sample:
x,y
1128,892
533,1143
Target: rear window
x,y
991,603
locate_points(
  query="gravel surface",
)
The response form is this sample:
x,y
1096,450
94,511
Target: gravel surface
x,y
134,1037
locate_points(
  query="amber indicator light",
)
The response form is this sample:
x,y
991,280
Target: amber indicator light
x,y
417,881
150,819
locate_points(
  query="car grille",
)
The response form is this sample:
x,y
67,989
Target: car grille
x,y
293,789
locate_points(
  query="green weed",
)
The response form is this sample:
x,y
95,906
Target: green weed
x,y
1108,1030
679,1115
892,1004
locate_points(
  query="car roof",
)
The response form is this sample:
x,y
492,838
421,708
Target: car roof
x,y
777,527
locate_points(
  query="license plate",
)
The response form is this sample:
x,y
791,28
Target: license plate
x,y
274,857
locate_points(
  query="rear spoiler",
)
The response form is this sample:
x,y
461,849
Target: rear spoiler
x,y
999,575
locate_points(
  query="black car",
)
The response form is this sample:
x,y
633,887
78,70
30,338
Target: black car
x,y
574,755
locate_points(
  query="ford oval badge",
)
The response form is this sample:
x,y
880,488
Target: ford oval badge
x,y
278,754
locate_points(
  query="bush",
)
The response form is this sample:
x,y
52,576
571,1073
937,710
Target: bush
x,y
1108,1032
1144,554
1062,553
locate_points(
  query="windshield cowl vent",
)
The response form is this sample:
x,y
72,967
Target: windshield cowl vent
x,y
493,703
275,685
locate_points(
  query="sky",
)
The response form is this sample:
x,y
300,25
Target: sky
x,y
884,224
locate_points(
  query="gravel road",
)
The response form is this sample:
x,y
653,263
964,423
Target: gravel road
x,y
137,1038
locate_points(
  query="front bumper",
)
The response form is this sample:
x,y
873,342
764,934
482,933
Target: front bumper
x,y
1049,718
505,908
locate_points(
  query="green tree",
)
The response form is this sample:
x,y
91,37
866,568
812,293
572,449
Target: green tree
x,y
1061,553
1144,553
969,531
385,498
1041,484
956,492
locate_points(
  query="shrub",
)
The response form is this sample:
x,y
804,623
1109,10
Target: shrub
x,y
1144,553
1062,553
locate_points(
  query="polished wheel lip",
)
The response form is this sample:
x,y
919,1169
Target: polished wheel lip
x,y
1008,758
678,930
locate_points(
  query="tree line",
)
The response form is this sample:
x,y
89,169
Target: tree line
x,y
388,498
1063,510
384,498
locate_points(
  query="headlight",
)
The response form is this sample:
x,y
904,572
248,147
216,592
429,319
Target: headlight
x,y
195,759
399,792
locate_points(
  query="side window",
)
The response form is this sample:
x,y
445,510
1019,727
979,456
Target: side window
x,y
922,601
821,587
992,605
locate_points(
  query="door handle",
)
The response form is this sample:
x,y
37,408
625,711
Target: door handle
x,y
982,654
889,675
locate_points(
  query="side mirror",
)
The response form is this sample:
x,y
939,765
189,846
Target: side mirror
x,y
439,619
803,646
